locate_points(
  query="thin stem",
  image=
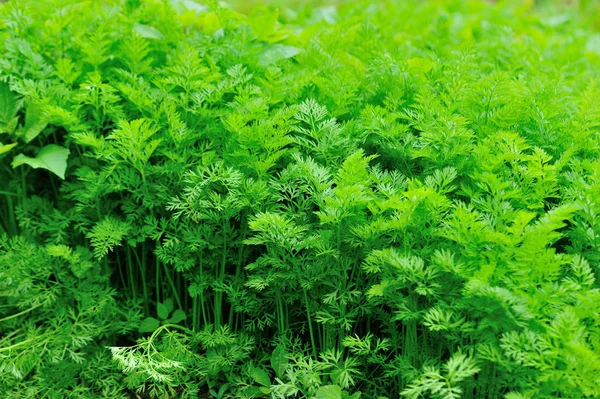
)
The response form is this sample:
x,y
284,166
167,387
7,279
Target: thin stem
x,y
172,284
205,315
221,278
157,278
142,267
20,313
343,282
131,277
11,222
120,267
280,314
310,326
195,313
166,326
27,341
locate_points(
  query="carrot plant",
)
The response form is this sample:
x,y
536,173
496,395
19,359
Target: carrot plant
x,y
374,199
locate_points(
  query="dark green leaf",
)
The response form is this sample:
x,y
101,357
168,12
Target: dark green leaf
x,y
279,360
169,304
162,310
34,122
149,324
178,316
261,377
256,392
9,106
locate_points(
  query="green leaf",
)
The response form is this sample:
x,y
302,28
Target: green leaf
x,y
178,315
328,14
256,392
279,360
34,122
378,289
162,310
169,304
149,324
4,148
276,53
329,392
147,31
261,377
9,106
107,234
264,26
420,65
181,5
593,43
52,157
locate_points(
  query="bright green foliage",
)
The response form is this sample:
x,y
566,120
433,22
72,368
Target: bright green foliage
x,y
369,199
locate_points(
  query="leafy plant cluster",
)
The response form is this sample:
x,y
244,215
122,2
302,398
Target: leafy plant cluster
x,y
377,199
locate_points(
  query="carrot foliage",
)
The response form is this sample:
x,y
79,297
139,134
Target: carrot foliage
x,y
375,199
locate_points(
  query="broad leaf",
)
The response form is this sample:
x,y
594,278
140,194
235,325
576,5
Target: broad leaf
x,y
9,106
149,324
279,360
276,53
261,377
52,157
162,310
181,5
329,392
178,315
148,31
264,26
169,304
4,148
34,122
420,65
256,392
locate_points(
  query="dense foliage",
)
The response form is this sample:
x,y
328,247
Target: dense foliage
x,y
378,199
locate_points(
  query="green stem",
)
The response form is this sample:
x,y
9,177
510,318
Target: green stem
x,y
310,326
12,223
411,337
20,313
205,316
142,268
157,279
280,314
166,326
239,267
131,277
121,275
172,284
27,341
12,334
343,283
195,314
221,278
